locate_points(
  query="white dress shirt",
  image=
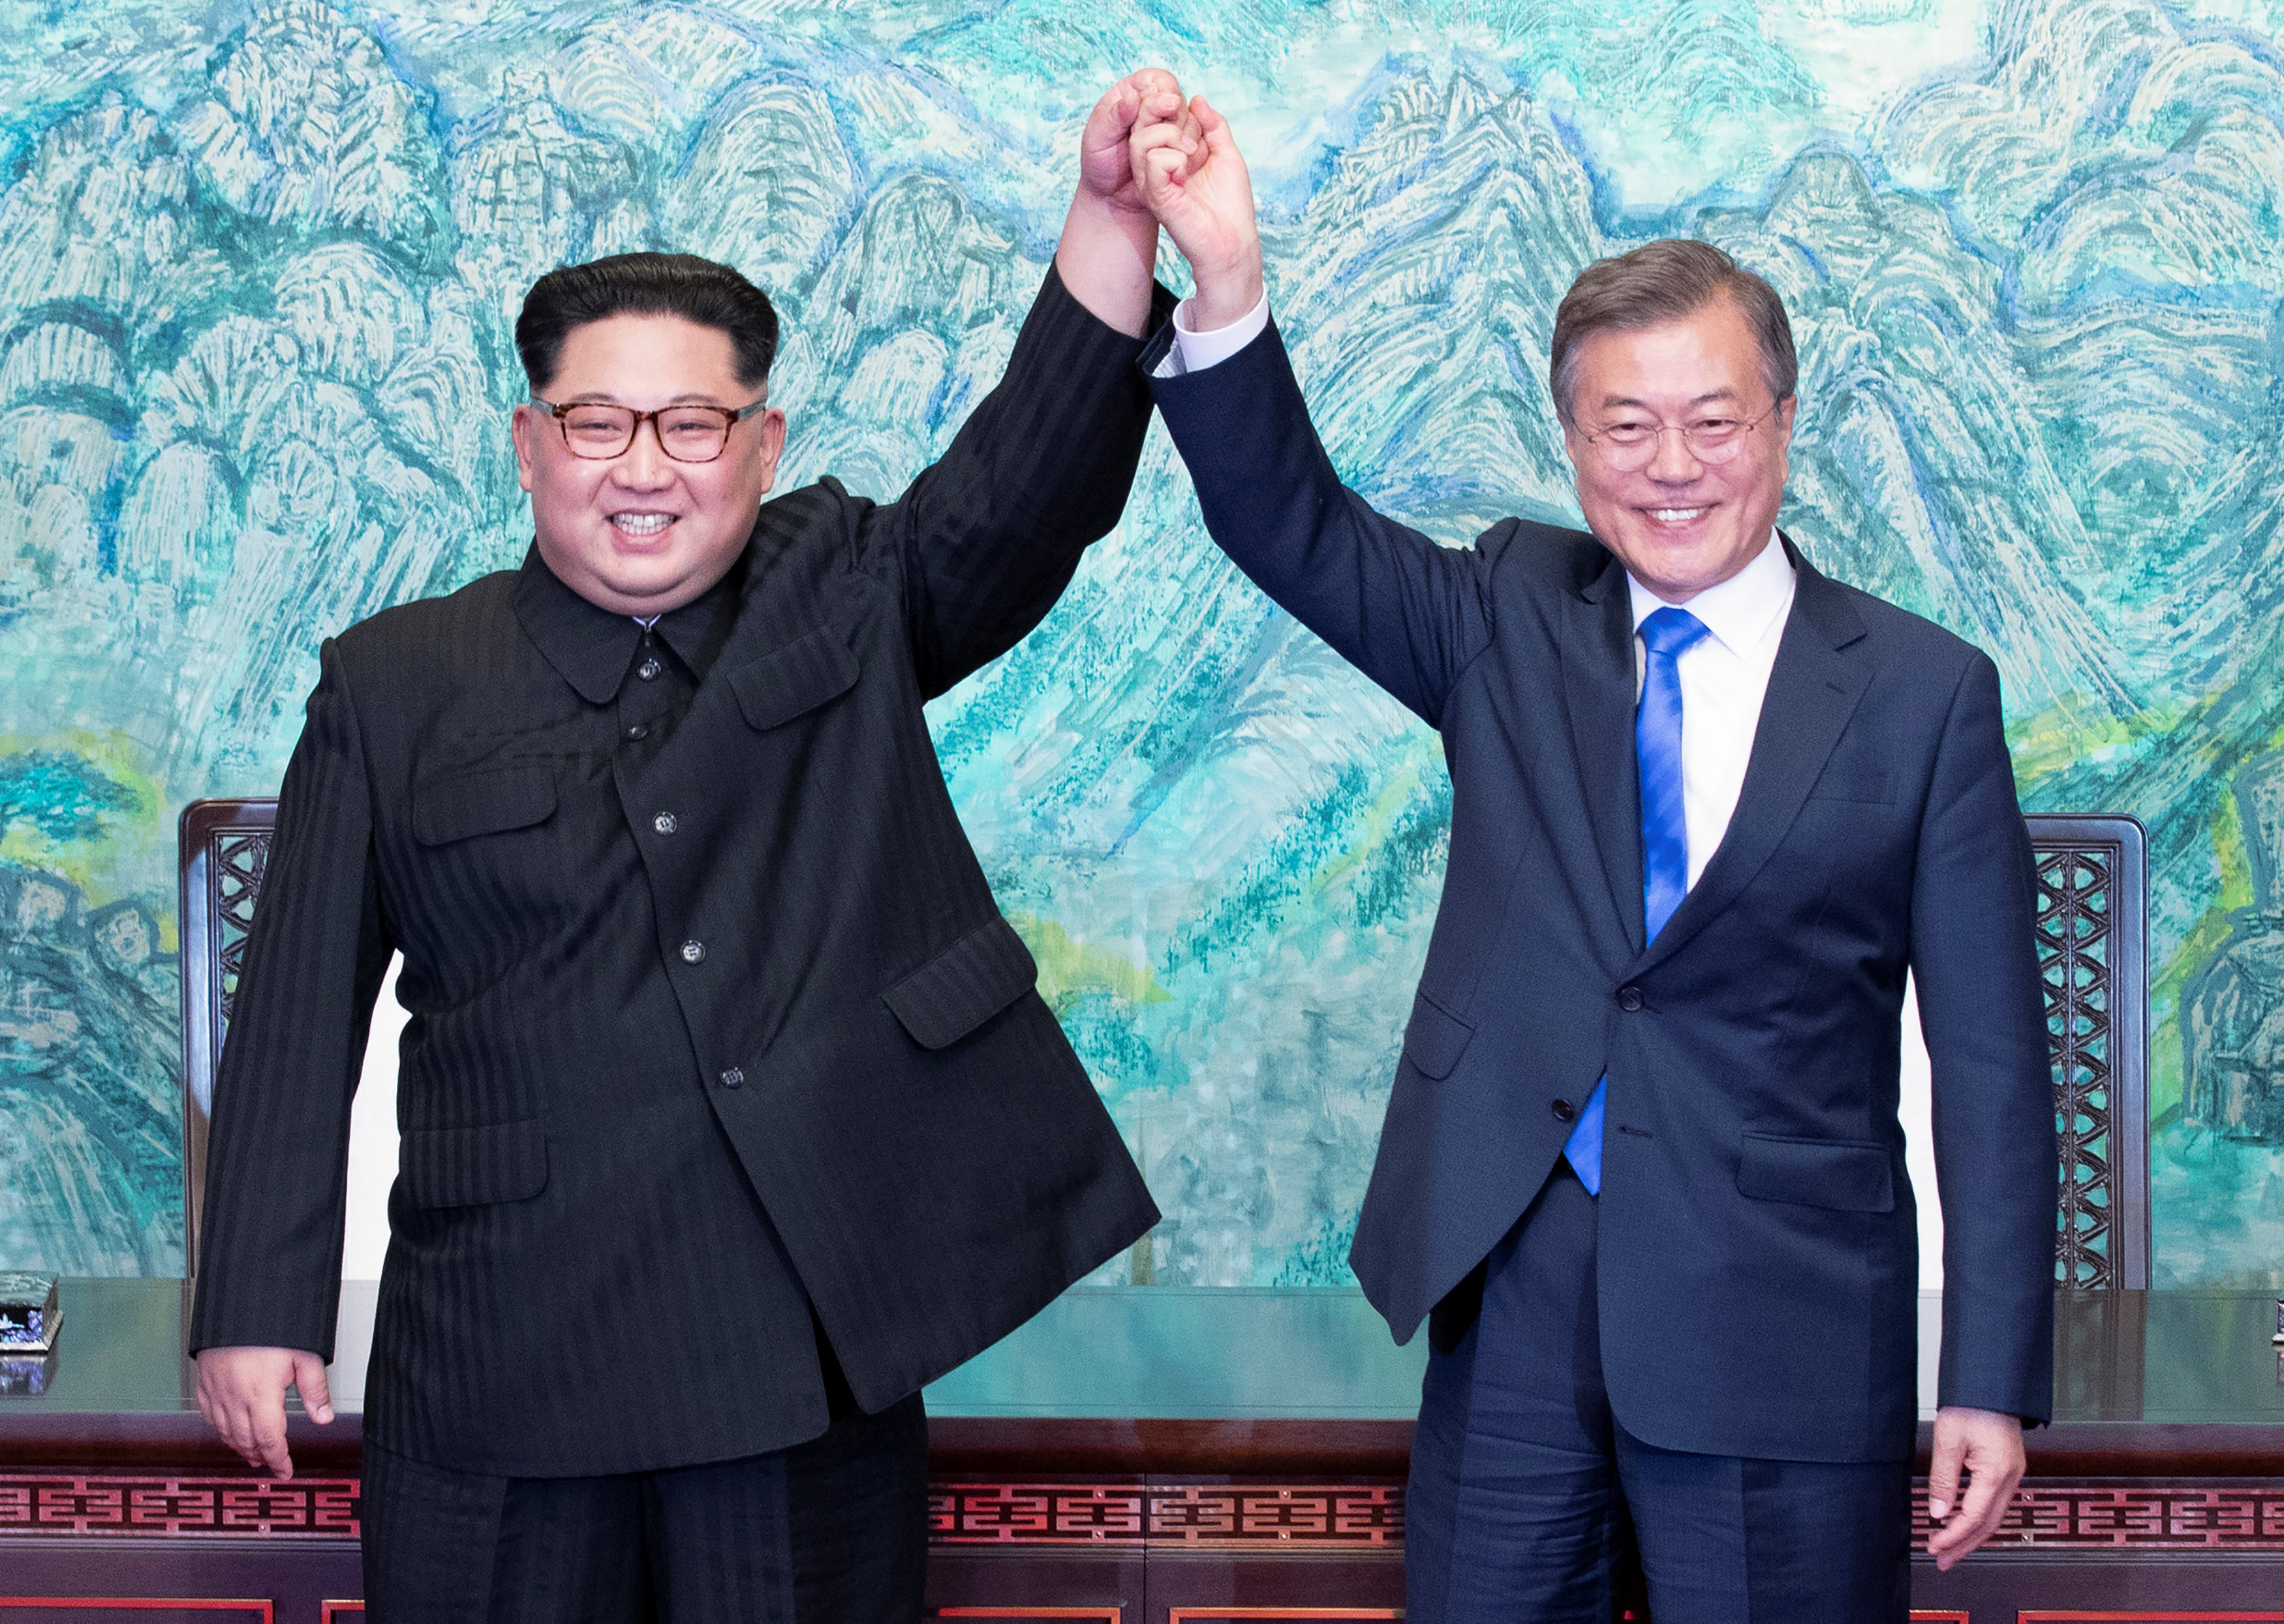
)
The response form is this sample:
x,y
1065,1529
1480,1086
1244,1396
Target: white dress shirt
x,y
1723,677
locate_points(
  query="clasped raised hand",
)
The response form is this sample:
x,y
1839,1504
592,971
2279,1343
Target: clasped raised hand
x,y
1195,180
1109,246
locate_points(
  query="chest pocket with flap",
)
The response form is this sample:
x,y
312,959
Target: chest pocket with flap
x,y
458,806
787,682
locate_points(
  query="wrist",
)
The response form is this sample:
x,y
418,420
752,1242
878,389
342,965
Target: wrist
x,y
1107,257
1225,296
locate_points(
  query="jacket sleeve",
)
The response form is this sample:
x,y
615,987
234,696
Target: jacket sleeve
x,y
278,1153
1974,960
1411,615
986,539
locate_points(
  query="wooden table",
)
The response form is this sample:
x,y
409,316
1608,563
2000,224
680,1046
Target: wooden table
x,y
1151,1456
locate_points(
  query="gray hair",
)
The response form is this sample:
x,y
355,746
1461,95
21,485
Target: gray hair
x,y
1663,282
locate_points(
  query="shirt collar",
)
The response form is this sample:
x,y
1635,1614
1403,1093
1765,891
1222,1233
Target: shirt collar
x,y
698,630
591,648
1739,611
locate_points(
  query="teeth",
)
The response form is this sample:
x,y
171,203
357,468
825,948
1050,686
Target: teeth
x,y
1675,516
641,523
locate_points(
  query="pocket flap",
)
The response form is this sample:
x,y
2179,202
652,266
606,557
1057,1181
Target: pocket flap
x,y
800,677
1845,1175
472,1166
1436,1039
964,985
489,800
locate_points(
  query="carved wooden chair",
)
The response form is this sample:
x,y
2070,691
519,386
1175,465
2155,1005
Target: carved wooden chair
x,y
2093,892
224,845
2093,953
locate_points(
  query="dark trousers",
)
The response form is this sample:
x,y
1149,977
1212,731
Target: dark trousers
x,y
834,1530
1524,1484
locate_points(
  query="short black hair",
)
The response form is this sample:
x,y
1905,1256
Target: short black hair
x,y
679,285
1663,282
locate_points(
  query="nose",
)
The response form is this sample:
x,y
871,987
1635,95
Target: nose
x,y
644,464
1671,461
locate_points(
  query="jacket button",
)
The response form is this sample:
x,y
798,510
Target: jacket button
x,y
692,952
665,824
648,670
733,1078
638,732
1630,999
1564,1111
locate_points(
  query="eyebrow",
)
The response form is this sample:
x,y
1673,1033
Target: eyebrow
x,y
604,397
1610,400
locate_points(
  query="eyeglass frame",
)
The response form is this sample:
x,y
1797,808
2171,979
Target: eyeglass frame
x,y
1603,445
735,414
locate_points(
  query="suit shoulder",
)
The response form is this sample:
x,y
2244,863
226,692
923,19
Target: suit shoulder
x,y
1926,644
1543,558
426,625
823,535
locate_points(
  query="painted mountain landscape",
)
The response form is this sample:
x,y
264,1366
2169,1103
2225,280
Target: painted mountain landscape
x,y
259,265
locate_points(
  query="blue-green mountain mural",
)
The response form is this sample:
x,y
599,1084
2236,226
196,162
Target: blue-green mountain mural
x,y
258,266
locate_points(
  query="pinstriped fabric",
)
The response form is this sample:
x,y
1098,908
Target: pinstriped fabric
x,y
967,983
833,1531
654,1097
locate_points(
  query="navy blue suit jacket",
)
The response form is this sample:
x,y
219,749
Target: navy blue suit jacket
x,y
1758,1254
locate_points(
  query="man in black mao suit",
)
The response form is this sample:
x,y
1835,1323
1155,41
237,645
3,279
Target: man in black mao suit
x,y
731,1115
1641,1169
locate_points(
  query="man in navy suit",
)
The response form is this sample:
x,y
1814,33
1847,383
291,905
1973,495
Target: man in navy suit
x,y
1642,1170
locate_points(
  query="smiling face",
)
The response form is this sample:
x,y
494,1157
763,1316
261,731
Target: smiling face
x,y
642,533
1678,523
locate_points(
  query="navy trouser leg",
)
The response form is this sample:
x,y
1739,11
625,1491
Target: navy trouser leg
x,y
1512,1513
1522,1481
1760,1541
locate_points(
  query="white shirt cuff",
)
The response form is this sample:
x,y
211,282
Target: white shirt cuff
x,y
1193,351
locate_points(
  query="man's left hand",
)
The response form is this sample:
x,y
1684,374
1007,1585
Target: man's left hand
x,y
1109,246
1987,1447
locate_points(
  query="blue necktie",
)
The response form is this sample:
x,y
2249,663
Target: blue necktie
x,y
1668,634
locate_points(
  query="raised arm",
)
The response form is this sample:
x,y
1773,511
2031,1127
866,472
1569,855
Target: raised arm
x,y
986,540
277,1158
1409,613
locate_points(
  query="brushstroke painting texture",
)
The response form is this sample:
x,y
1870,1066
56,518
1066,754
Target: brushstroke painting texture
x,y
259,266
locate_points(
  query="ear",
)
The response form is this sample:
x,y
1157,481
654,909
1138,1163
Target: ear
x,y
523,426
769,446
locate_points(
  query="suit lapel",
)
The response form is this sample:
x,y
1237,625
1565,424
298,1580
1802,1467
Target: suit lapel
x,y
1813,689
1598,690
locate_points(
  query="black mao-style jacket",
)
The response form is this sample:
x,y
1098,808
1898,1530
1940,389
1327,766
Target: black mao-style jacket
x,y
714,1020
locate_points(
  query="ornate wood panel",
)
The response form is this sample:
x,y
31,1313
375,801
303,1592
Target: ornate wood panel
x,y
1162,1516
2093,890
224,846
180,1507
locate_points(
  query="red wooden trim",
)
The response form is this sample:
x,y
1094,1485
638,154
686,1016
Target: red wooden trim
x,y
2163,1615
327,1612
183,1603
1930,1615
1107,1616
64,1504
1177,1615
1219,1516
